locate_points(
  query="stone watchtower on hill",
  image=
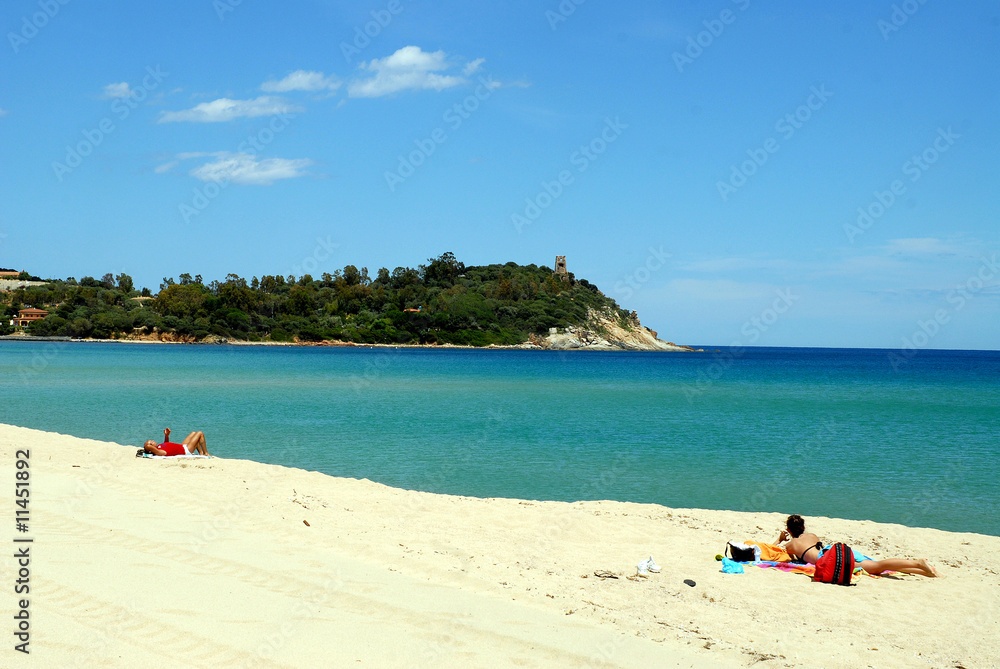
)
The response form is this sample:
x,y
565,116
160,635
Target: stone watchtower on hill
x,y
561,268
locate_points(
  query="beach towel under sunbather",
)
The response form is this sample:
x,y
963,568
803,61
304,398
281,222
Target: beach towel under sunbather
x,y
790,567
771,552
810,569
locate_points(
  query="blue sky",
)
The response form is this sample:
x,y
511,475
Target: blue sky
x,y
737,172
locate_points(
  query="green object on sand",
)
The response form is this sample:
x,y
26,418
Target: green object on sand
x,y
718,557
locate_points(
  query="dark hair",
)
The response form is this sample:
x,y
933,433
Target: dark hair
x,y
796,525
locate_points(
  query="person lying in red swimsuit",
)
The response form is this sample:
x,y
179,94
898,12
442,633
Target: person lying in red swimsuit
x,y
193,444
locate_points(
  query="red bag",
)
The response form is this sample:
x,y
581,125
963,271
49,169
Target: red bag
x,y
836,565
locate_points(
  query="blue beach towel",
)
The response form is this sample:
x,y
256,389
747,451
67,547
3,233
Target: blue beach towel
x,y
731,566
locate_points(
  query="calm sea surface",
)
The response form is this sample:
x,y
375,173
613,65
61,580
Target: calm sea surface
x,y
833,432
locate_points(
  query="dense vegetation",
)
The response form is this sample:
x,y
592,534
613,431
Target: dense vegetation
x,y
482,305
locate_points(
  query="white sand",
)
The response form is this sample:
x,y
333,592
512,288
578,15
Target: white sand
x,y
182,563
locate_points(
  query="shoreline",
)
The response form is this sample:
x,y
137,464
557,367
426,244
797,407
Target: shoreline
x,y
532,500
521,347
225,561
345,344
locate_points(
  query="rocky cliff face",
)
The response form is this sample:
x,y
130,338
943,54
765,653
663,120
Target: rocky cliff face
x,y
174,338
603,331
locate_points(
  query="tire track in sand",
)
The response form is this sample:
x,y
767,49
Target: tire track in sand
x,y
334,595
114,624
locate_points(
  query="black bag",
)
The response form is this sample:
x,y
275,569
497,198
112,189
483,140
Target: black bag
x,y
740,553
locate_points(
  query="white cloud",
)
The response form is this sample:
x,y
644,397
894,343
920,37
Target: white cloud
x,y
225,109
738,263
301,80
473,66
410,68
243,168
866,266
920,246
3,112
165,167
719,289
121,90
812,268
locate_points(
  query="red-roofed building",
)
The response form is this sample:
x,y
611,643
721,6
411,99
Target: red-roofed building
x,y
27,316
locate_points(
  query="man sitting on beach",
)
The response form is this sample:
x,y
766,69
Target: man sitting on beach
x,y
806,547
193,444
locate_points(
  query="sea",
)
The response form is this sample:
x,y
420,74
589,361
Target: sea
x,y
890,436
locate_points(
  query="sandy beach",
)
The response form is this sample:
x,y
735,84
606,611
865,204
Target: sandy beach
x,y
229,563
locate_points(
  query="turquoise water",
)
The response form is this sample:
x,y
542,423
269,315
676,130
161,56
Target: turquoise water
x,y
815,431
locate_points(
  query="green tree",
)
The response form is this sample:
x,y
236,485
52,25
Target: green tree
x,y
443,270
300,302
180,300
475,305
352,277
125,284
236,294
79,327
